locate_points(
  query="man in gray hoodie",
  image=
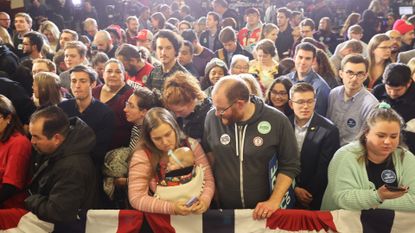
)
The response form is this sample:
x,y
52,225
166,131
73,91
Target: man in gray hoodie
x,y
241,136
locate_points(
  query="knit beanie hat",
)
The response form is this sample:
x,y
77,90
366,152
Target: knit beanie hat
x,y
213,63
402,26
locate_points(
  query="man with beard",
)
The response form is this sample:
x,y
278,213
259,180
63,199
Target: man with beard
x,y
241,136
32,45
132,29
407,31
137,68
396,46
103,43
64,185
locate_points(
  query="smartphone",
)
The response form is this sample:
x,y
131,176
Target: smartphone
x,y
191,201
395,188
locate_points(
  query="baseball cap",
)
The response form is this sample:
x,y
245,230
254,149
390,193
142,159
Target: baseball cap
x,y
144,35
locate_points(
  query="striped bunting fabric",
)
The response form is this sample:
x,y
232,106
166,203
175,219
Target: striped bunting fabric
x,y
226,221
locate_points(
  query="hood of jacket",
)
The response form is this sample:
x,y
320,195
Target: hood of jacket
x,y
79,140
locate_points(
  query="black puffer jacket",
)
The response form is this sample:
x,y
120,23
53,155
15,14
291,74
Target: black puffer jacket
x,y
8,61
65,183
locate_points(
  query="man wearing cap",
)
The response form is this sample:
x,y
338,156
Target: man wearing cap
x,y
167,45
249,35
407,31
144,38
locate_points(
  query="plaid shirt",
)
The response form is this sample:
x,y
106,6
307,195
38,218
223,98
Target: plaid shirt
x,y
157,76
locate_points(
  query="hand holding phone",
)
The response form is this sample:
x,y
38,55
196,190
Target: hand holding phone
x,y
191,201
395,188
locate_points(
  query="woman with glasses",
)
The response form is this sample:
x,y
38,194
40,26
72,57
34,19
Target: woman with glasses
x,y
376,171
161,134
379,50
278,95
114,93
15,152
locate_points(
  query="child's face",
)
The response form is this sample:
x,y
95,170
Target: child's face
x,y
185,157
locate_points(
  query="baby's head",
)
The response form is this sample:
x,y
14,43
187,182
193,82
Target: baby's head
x,y
184,156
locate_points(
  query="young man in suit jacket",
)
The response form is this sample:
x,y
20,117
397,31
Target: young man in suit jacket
x,y
317,140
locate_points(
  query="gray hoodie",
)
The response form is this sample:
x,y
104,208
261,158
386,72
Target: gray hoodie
x,y
242,152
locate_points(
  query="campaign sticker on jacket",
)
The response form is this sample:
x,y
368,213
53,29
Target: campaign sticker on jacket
x,y
264,127
258,141
351,122
388,176
225,139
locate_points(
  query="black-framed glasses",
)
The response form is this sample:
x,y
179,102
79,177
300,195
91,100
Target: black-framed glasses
x,y
358,75
222,112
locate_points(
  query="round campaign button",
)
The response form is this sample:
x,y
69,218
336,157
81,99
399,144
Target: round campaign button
x,y
351,122
258,141
388,176
225,139
264,127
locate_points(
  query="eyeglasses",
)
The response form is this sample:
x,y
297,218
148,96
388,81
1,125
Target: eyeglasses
x,y
280,94
359,75
222,112
304,102
385,47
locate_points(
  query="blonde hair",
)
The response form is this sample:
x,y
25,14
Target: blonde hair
x,y
253,85
50,26
5,37
411,64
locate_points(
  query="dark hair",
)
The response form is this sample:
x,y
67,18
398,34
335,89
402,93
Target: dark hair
x,y
55,121
7,109
147,99
222,3
229,22
382,114
397,74
301,87
286,82
82,68
49,88
286,66
227,34
170,36
99,57
267,46
306,46
189,45
355,59
287,12
36,39
189,35
160,19
128,51
215,16
325,67
308,22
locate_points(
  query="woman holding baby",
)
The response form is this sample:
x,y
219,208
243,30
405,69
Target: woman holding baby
x,y
165,148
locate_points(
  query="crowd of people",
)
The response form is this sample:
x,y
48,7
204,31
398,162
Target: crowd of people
x,y
174,113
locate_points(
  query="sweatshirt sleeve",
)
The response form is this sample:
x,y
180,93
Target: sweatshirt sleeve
x,y
138,187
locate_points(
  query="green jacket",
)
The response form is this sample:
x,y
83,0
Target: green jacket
x,y
349,187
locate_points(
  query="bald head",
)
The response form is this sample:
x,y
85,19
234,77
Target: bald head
x,y
4,20
103,41
232,87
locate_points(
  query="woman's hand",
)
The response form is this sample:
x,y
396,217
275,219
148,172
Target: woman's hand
x,y
180,208
199,207
384,193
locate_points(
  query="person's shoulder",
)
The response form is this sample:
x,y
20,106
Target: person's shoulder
x,y
337,91
324,122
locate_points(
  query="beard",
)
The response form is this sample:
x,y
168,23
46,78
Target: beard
x,y
132,71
